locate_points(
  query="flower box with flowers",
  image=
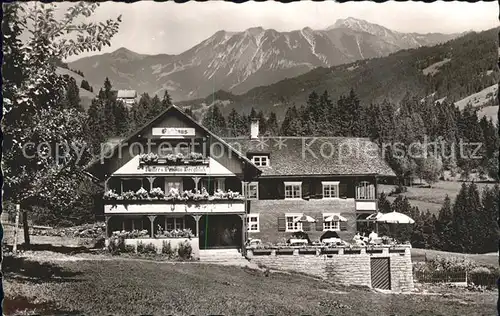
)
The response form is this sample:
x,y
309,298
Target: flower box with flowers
x,y
156,195
134,234
175,233
148,159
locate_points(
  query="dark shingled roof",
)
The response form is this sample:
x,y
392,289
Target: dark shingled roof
x,y
297,156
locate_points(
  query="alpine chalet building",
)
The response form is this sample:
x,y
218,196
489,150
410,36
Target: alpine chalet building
x,y
174,174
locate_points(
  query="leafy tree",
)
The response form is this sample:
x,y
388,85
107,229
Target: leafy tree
x,y
33,103
430,169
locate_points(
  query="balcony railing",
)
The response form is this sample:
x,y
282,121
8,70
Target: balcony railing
x,y
155,201
366,205
164,207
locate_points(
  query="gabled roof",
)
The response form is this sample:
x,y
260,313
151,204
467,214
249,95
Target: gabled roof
x,y
117,143
127,94
301,156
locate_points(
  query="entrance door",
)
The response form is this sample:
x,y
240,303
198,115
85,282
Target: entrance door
x,y
381,274
220,231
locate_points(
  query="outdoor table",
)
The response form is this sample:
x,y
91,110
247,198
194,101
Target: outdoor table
x,y
298,241
254,241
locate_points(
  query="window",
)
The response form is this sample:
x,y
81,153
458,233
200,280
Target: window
x,y
172,223
330,189
219,184
330,225
292,226
134,223
251,191
253,222
261,161
173,183
365,191
293,190
131,184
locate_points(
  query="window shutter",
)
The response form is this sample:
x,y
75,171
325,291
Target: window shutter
x,y
343,190
281,189
319,223
281,223
343,226
306,190
306,226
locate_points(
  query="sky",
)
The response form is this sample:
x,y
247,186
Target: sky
x,y
171,28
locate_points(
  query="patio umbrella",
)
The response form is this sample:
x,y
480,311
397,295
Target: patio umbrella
x,y
374,217
395,218
335,218
304,219
329,234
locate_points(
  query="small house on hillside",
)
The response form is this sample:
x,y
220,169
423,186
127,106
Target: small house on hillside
x,y
129,97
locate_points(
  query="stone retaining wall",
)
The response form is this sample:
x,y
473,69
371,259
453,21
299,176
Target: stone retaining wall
x,y
352,269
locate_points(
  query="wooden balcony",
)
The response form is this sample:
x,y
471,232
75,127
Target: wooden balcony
x,y
366,206
124,207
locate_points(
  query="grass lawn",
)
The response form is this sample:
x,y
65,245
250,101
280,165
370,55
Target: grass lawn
x,y
130,287
431,198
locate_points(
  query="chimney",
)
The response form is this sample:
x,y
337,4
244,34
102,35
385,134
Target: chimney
x,y
254,128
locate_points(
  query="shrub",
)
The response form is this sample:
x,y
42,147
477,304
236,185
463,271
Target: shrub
x,y
480,270
167,249
451,264
185,250
150,249
129,249
116,245
140,247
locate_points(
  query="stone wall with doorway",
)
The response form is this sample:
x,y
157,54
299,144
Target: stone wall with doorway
x,y
341,267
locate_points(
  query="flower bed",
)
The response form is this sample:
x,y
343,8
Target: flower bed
x,y
176,233
173,195
95,230
134,234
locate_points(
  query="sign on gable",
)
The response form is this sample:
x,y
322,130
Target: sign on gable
x,y
173,131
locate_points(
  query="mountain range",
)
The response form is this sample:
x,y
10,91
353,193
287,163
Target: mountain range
x,y
462,71
240,61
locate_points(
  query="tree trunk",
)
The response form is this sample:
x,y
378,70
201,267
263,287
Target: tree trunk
x,y
26,228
